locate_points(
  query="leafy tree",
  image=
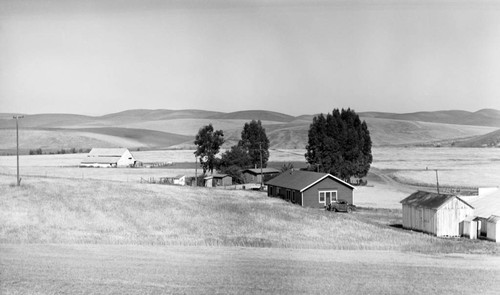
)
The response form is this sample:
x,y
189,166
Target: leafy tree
x,y
208,144
236,156
254,141
339,144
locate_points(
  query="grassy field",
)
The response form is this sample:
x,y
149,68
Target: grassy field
x,y
106,212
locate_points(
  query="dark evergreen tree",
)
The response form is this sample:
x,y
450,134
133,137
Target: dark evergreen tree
x,y
208,144
339,144
254,141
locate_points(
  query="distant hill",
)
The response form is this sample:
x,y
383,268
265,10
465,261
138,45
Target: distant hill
x,y
485,117
152,129
491,139
255,115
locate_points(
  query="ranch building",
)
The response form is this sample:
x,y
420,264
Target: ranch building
x,y
436,214
493,228
108,158
218,180
309,189
254,175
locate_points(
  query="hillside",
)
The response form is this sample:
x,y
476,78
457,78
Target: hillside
x,y
491,139
176,128
484,117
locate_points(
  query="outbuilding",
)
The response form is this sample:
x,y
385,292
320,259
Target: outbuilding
x,y
108,158
255,175
218,180
309,189
493,228
436,214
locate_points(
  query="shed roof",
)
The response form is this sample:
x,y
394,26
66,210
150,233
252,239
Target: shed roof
x,y
264,170
106,152
494,219
217,176
302,180
429,200
488,205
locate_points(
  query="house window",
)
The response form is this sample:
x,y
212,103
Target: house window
x,y
293,197
327,196
288,195
278,192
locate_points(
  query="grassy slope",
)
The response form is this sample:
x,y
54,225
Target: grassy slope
x,y
89,211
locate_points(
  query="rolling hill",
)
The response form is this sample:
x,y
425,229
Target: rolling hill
x,y
159,129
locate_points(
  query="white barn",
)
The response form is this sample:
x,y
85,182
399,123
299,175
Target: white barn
x,y
108,158
436,214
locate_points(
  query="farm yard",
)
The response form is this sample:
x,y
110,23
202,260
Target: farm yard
x,y
106,221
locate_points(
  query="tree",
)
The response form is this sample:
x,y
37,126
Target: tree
x,y
254,141
208,143
236,156
339,144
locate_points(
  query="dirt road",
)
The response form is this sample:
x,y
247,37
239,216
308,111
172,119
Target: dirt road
x,y
78,269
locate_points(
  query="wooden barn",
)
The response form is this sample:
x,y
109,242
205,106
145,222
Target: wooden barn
x,y
254,175
493,228
309,189
437,214
108,157
218,180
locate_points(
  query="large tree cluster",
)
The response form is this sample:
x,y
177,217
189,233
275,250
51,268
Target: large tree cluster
x,y
339,144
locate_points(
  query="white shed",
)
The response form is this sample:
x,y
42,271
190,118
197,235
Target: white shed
x,y
493,228
437,214
108,157
468,227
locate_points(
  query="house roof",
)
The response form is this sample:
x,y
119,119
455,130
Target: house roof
x,y
264,170
107,152
302,180
429,200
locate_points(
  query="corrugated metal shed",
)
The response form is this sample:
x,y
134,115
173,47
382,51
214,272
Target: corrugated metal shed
x,y
429,200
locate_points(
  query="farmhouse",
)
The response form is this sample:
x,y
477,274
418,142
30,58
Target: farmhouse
x,y
108,157
218,180
309,189
437,214
254,175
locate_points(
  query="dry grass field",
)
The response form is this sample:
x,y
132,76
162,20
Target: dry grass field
x,y
75,230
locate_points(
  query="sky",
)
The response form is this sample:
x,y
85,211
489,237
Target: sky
x,y
296,57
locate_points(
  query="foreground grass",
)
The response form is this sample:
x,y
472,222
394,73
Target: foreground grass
x,y
105,212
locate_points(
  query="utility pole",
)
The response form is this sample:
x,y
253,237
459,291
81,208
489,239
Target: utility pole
x,y
17,147
437,180
261,174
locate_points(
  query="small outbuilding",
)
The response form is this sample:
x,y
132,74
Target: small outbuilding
x,y
469,227
255,175
309,189
108,158
218,180
436,214
493,228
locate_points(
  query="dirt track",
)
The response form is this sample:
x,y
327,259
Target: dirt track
x,y
76,269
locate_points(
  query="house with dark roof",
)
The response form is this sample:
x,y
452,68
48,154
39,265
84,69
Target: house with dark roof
x,y
436,214
108,157
254,175
309,189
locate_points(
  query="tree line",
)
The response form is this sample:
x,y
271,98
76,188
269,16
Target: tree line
x,y
338,143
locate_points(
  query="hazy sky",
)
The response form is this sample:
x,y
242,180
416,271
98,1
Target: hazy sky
x,y
292,56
